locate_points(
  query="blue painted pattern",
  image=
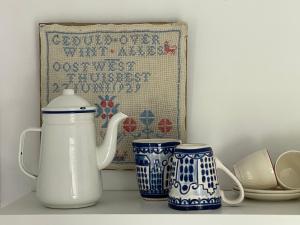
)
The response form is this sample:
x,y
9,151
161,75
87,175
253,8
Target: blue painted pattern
x,y
156,150
199,203
194,180
153,168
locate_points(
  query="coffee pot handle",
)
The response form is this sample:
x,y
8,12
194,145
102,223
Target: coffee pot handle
x,y
21,146
240,198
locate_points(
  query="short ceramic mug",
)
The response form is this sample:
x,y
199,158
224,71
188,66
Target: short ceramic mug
x,y
194,182
152,166
287,169
256,171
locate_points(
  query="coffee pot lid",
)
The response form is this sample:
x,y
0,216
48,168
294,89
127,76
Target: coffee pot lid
x,y
68,102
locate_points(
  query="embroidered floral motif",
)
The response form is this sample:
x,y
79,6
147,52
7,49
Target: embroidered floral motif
x,y
165,125
106,109
147,117
129,125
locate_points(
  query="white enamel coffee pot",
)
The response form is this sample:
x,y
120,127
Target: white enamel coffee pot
x,y
69,158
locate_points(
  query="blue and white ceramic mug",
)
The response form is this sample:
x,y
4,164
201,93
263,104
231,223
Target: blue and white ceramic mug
x,y
153,167
194,182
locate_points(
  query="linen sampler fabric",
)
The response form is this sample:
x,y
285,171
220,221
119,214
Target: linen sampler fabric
x,y
137,69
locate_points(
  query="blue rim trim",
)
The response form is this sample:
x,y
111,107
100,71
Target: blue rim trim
x,y
165,144
68,112
181,150
194,207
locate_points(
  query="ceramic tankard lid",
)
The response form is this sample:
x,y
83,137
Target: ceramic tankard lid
x,y
68,102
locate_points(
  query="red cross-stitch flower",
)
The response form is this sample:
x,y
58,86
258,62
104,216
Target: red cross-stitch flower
x,y
129,125
103,103
165,125
106,109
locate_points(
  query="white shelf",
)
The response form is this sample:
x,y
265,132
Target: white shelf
x,y
126,207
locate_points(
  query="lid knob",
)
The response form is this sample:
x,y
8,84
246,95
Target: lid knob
x,y
68,92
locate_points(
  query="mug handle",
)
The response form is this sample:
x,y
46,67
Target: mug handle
x,y
240,198
21,146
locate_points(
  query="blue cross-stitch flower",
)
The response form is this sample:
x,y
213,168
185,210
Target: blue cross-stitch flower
x,y
147,117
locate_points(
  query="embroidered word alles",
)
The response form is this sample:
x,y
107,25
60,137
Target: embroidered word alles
x,y
149,50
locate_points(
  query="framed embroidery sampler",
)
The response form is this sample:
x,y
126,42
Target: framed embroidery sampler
x,y
137,69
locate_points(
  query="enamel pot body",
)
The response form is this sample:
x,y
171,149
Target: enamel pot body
x,y
68,172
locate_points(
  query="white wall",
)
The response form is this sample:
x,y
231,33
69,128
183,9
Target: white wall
x,y
243,77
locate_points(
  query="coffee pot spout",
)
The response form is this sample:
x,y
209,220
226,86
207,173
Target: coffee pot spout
x,y
106,151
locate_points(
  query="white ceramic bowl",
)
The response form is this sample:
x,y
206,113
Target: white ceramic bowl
x,y
287,169
256,171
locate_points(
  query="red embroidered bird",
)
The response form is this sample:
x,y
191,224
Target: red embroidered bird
x,y
169,49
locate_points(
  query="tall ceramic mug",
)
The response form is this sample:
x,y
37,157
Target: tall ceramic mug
x,y
153,167
194,182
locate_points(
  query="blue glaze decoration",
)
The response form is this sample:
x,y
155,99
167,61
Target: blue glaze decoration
x,y
194,204
164,144
153,167
193,182
199,150
68,112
